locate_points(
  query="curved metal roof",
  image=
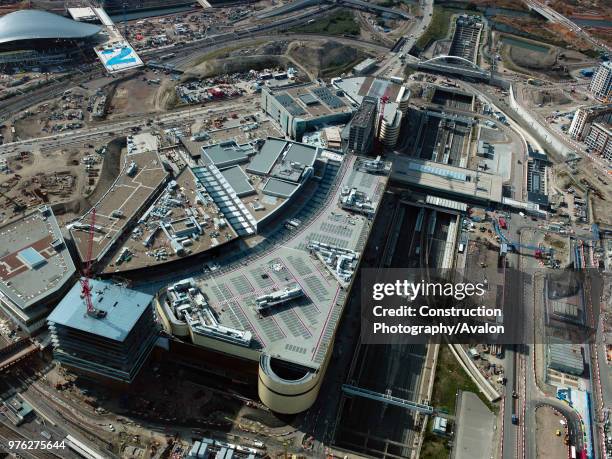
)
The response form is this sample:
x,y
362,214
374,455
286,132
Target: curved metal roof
x,y
34,25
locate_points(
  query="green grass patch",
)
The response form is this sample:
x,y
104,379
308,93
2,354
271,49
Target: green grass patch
x,y
434,446
339,23
438,27
450,378
337,70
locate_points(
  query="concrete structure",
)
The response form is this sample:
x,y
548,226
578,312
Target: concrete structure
x,y
473,433
601,83
140,181
113,347
564,356
301,108
310,263
599,140
466,38
251,185
456,66
448,181
584,117
362,127
365,66
396,107
35,268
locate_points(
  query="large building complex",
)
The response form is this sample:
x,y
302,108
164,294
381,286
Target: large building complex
x,y
396,97
31,38
35,268
250,185
584,117
448,181
114,346
304,107
276,305
601,83
140,181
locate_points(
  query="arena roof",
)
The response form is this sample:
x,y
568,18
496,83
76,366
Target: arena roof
x,y
40,25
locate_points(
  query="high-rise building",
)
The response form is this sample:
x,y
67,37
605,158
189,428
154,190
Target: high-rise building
x,y
362,127
112,345
585,116
599,140
601,84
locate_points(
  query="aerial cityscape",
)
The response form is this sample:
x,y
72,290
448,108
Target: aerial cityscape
x,y
295,229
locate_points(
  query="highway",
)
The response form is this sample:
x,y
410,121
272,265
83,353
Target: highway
x,y
394,65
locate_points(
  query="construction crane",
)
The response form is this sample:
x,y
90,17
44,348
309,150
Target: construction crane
x,y
85,287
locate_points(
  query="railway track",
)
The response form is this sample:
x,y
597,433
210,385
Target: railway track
x,y
7,434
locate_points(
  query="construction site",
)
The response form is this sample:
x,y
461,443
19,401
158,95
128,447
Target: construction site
x,y
142,175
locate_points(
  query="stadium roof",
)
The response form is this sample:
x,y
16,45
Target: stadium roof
x,y
40,25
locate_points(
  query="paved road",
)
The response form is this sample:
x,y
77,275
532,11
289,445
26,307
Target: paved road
x,y
394,66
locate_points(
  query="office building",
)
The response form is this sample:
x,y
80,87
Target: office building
x,y
362,127
305,107
112,347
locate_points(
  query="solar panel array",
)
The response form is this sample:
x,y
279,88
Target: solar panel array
x,y
331,100
287,101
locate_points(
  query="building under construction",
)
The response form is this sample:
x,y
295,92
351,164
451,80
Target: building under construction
x,y
113,345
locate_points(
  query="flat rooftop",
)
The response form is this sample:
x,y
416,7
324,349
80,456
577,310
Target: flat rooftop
x,y
312,100
123,308
179,205
116,209
34,260
249,183
450,180
299,331
357,88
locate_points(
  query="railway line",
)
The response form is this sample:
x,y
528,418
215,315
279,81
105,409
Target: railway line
x,y
8,434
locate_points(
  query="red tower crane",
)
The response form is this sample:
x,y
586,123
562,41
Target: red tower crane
x,y
383,102
85,287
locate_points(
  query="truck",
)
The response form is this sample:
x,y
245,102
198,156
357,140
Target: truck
x,y
293,223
